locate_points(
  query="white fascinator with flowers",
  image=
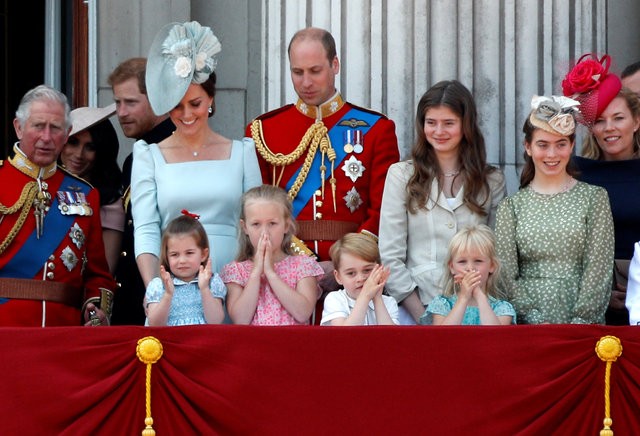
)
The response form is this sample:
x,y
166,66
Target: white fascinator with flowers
x,y
554,114
181,54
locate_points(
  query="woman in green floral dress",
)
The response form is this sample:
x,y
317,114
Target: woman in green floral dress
x,y
555,235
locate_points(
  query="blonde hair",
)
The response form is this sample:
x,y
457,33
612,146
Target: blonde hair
x,y
481,238
590,147
356,244
183,225
272,194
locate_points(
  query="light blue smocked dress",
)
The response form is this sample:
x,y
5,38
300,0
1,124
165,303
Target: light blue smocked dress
x,y
186,305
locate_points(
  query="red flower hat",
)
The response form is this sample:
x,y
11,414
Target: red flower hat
x,y
590,83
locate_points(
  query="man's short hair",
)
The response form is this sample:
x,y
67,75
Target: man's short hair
x,y
133,68
316,34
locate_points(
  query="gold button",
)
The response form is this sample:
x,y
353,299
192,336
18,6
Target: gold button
x,y
318,192
51,265
50,275
319,215
52,257
130,222
319,203
123,254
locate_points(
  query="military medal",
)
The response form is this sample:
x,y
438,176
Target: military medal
x,y
352,199
353,168
69,258
357,142
348,141
77,235
73,203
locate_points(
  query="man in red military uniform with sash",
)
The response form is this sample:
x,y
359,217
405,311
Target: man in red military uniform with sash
x,y
53,269
330,155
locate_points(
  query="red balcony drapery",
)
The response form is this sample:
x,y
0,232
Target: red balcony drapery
x,y
511,380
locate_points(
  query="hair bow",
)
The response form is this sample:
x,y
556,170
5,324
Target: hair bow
x,y
192,215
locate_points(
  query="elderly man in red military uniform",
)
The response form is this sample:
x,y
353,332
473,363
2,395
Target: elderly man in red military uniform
x,y
330,155
53,269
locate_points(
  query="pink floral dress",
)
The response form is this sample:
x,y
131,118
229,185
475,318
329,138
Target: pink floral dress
x,y
291,270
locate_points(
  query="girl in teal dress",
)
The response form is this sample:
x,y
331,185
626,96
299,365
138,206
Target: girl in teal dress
x,y
555,235
470,288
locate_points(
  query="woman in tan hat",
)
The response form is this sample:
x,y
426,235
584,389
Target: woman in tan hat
x,y
555,235
91,153
196,168
610,158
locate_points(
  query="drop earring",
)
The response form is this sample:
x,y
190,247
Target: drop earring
x,y
210,110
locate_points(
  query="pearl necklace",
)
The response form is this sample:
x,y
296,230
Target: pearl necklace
x,y
196,153
452,173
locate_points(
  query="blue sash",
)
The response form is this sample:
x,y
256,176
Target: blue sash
x,y
34,252
336,135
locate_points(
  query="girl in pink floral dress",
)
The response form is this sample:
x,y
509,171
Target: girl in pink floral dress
x,y
267,284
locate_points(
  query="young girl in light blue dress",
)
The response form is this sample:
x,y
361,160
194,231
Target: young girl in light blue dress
x,y
187,291
470,294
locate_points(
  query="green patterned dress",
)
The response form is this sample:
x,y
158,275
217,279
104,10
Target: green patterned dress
x,y
557,254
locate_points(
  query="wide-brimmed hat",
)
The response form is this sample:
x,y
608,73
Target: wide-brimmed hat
x,y
84,117
591,83
181,54
554,114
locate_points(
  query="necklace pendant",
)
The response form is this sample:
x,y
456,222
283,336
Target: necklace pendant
x,y
195,154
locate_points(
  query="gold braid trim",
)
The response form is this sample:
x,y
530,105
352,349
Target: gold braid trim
x,y
24,202
309,142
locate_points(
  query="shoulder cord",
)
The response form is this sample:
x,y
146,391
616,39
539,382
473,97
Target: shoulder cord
x,y
26,199
316,135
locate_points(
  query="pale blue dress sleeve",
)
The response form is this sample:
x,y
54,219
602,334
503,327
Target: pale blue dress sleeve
x,y
503,308
218,289
144,203
155,291
252,175
440,305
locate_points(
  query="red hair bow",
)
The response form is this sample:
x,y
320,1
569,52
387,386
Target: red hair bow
x,y
192,215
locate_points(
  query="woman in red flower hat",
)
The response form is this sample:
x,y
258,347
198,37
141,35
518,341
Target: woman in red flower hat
x,y
610,158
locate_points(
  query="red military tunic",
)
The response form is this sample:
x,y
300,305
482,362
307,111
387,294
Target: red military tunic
x,y
360,176
75,256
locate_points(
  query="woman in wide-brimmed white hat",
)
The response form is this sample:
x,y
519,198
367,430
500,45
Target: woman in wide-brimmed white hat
x,y
91,153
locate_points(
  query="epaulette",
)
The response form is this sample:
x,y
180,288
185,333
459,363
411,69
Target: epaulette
x,y
64,170
371,111
274,112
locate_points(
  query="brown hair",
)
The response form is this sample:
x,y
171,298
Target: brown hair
x,y
529,169
316,34
131,68
472,154
590,147
356,244
209,87
273,194
183,225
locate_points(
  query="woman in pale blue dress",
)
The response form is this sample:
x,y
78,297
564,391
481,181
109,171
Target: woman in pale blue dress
x,y
196,168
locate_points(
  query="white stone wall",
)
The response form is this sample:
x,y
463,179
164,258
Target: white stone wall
x,y
391,52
